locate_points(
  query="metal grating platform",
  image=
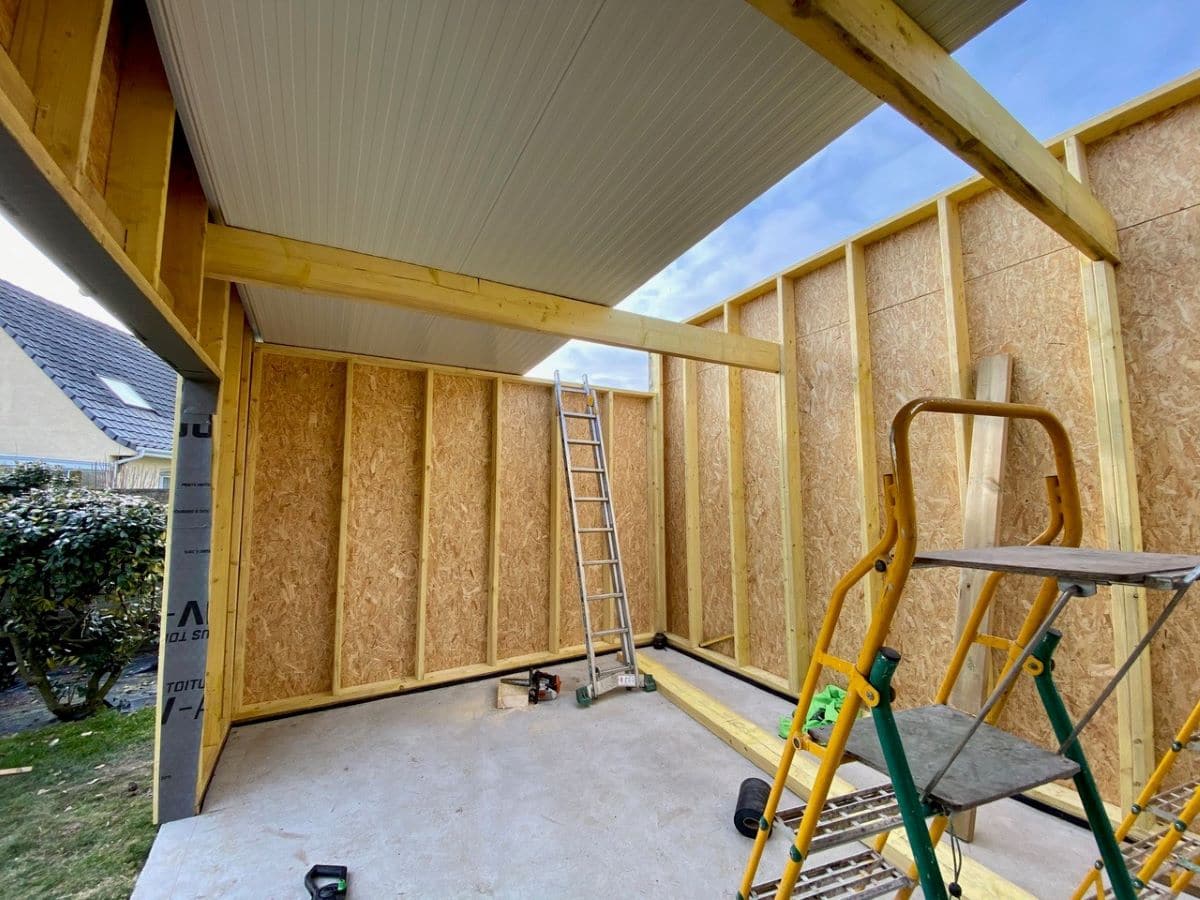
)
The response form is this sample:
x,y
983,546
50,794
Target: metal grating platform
x,y
1169,804
993,765
1155,570
849,817
863,875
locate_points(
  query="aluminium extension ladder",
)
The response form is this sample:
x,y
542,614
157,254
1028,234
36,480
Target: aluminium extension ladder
x,y
596,507
940,760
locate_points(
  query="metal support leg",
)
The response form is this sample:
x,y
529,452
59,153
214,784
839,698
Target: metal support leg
x,y
1093,806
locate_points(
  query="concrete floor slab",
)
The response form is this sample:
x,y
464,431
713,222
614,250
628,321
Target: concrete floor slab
x,y
439,794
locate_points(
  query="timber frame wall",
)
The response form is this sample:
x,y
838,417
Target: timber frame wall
x,y
904,309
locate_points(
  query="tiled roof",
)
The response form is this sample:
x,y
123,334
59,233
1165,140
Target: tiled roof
x,y
74,350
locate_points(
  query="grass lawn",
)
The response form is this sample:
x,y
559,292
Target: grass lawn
x,y
78,825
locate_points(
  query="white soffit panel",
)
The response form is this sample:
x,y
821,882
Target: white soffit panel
x,y
572,146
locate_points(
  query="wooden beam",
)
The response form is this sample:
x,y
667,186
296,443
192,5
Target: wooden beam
x,y
981,528
691,501
878,45
763,749
864,414
658,517
13,86
252,257
339,603
1122,516
493,609
795,583
140,159
57,48
957,330
423,563
214,309
736,488
182,258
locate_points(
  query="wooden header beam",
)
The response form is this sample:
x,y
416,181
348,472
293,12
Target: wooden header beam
x,y
878,45
251,257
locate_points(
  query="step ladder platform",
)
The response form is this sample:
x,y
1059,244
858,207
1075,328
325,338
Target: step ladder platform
x,y
1169,804
862,875
848,817
993,765
1163,571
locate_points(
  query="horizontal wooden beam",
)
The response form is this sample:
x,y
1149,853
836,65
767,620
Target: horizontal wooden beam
x,y
251,257
878,45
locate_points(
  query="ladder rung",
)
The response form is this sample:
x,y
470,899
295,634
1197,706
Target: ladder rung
x,y
865,874
604,631
1169,804
575,415
591,597
591,499
586,469
587,443
849,817
593,530
615,670
599,562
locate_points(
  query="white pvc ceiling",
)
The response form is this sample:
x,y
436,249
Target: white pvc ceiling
x,y
572,146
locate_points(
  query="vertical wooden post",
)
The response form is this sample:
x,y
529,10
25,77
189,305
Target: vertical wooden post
x,y
140,158
1122,516
691,474
556,495
736,486
248,479
343,526
423,565
493,613
58,48
658,493
240,479
791,498
864,413
957,330
184,229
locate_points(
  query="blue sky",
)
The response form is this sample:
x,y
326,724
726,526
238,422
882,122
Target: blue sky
x,y
1052,63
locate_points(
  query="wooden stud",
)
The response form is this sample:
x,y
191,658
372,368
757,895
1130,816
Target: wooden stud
x,y
1122,516
57,49
13,86
691,474
184,225
763,748
245,561
878,45
957,331
235,254
556,495
981,528
237,550
864,414
140,159
657,493
426,490
791,491
339,609
493,614
736,486
214,312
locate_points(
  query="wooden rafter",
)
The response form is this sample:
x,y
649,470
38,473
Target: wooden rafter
x,y
878,45
234,254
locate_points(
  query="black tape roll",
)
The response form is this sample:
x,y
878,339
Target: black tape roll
x,y
751,801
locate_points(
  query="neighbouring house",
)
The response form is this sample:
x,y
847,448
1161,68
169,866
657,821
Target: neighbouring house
x,y
82,395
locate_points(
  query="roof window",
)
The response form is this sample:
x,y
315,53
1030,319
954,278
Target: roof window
x,y
125,393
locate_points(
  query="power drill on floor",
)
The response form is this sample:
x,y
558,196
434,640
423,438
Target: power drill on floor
x,y
542,685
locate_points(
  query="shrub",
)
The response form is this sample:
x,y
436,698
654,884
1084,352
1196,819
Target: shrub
x,y
25,477
80,583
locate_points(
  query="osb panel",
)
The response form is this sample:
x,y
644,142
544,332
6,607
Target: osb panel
x,y
764,510
997,232
1034,311
100,142
1148,170
908,361
674,504
713,457
630,462
903,266
821,299
383,524
1158,286
829,481
8,17
526,446
296,507
459,523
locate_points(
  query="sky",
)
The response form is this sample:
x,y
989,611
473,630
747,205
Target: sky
x,y
1052,63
